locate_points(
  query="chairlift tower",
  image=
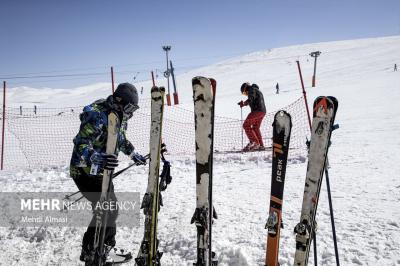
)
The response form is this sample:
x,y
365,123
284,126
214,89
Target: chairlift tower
x,y
315,55
167,48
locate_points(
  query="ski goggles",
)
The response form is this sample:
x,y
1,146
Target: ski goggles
x,y
129,109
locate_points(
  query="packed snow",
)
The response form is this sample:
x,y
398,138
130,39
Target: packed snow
x,y
364,165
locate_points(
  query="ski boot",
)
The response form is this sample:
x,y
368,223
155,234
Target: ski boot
x,y
248,146
255,147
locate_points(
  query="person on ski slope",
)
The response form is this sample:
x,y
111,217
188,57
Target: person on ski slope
x,y
253,121
89,153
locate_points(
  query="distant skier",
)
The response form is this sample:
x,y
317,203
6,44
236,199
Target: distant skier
x,y
253,121
395,67
89,153
277,88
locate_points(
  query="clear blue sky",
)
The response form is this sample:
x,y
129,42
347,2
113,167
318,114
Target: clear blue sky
x,y
87,36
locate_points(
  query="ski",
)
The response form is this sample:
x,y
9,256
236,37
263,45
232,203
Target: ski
x,y
242,151
204,103
148,253
324,111
99,256
282,126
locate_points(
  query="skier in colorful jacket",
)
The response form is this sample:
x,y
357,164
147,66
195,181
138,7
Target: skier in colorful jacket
x,y
253,121
90,153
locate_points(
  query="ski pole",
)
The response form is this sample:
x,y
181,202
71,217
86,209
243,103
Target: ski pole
x,y
129,166
332,217
328,188
68,196
37,232
114,176
315,247
241,123
70,203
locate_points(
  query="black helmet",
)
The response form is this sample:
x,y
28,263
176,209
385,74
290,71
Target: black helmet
x,y
244,87
127,96
126,93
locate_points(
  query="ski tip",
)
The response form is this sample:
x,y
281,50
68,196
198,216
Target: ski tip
x,y
196,80
156,88
199,80
334,101
157,91
282,113
321,102
282,117
332,98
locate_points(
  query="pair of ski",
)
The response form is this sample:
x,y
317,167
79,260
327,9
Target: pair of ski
x,y
98,257
148,254
204,102
324,111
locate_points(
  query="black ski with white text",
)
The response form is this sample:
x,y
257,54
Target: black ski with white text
x,y
282,127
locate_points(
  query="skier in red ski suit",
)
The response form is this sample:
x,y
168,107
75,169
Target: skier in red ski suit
x,y
253,121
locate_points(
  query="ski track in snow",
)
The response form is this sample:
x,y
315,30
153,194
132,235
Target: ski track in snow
x,y
364,175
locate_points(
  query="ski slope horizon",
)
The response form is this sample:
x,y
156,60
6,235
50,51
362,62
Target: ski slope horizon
x,y
276,65
364,165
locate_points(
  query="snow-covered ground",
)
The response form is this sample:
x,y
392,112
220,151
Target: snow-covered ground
x,y
364,159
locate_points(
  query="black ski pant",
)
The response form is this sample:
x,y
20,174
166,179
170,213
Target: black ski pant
x,y
90,187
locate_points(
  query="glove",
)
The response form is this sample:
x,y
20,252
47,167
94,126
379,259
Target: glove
x,y
241,104
104,161
138,159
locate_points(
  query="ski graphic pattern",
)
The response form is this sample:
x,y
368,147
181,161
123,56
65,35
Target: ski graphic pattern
x,y
204,99
324,111
149,254
282,126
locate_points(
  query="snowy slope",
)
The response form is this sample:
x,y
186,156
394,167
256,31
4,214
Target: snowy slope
x,y
364,159
340,62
